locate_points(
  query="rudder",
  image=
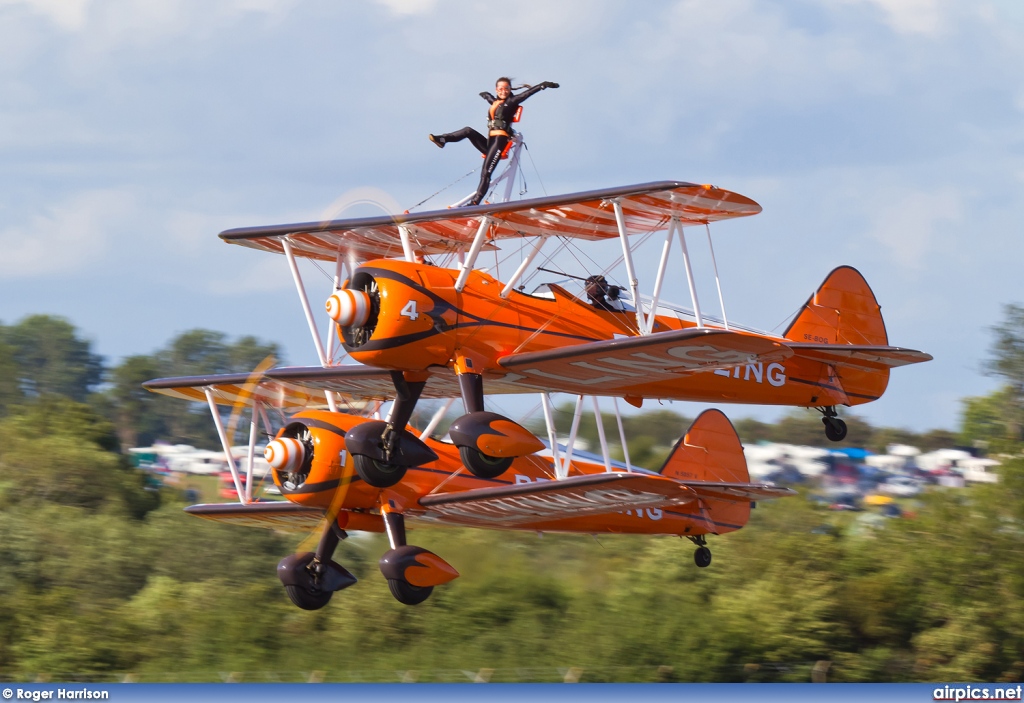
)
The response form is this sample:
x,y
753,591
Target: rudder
x,y
842,311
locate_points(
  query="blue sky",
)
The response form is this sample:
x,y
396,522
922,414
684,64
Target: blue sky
x,y
883,134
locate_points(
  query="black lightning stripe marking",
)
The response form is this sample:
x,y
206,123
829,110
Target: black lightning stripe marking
x,y
441,306
832,388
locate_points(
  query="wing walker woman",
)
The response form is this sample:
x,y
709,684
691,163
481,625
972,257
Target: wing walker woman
x,y
503,112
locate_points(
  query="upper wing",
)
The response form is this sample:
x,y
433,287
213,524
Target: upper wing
x,y
617,365
578,496
859,356
587,215
277,515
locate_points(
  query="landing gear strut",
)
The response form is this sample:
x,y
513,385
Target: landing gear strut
x,y
311,578
701,557
835,429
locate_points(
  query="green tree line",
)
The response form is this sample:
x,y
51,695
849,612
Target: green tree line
x,y
100,578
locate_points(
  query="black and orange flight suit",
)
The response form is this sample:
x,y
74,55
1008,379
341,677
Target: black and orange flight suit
x,y
499,126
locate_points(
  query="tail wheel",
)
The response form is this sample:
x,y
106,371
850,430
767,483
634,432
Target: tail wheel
x,y
407,594
378,474
835,429
307,599
702,557
484,465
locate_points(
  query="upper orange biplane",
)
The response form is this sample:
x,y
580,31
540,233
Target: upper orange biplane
x,y
420,329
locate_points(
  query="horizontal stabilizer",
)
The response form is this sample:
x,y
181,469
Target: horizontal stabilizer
x,y
614,367
275,515
860,356
738,491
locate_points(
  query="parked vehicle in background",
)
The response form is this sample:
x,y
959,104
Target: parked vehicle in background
x,y
903,486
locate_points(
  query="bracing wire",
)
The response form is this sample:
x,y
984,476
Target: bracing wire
x,y
432,195
539,179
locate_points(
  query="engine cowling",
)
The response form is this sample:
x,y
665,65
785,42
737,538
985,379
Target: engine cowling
x,y
398,315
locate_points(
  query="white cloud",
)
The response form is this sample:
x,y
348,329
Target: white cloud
x,y
106,25
269,274
910,16
912,223
404,8
70,237
67,14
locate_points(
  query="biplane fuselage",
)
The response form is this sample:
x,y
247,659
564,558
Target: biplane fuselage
x,y
331,485
423,322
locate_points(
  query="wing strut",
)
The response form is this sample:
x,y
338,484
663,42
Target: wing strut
x,y
251,455
627,255
545,401
339,267
622,435
563,471
403,233
474,251
689,274
600,435
224,443
436,419
721,300
661,276
523,266
297,277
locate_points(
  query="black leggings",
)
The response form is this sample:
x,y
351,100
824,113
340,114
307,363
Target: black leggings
x,y
490,147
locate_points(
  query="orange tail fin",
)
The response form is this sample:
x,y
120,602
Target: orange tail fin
x,y
842,311
711,451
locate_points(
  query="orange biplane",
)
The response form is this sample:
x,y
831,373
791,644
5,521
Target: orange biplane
x,y
414,321
703,488
421,330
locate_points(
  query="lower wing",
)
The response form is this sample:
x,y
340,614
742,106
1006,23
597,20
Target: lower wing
x,y
277,515
616,366
579,496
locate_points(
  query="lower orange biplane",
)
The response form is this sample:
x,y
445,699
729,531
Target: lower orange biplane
x,y
703,488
